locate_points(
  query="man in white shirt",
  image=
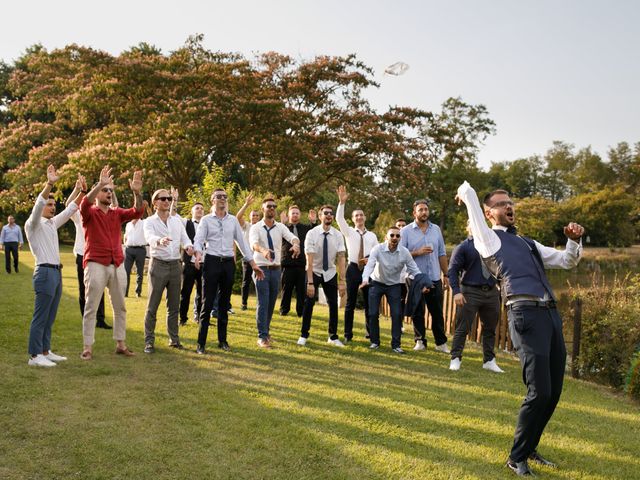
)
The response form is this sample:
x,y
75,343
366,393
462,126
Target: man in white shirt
x,y
535,326
360,241
165,234
135,251
265,237
247,271
42,232
214,245
325,251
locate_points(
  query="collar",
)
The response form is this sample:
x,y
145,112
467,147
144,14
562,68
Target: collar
x,y
499,227
385,248
414,224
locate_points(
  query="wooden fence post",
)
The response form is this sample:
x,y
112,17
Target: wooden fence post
x,y
577,332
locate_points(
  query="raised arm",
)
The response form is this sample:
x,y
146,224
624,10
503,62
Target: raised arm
x,y
240,215
136,187
486,240
342,197
105,179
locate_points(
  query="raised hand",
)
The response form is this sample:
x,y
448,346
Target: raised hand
x,y
52,175
342,194
174,194
249,200
136,182
574,231
284,218
105,176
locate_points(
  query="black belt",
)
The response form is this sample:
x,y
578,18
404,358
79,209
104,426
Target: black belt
x,y
170,262
219,259
270,267
484,288
532,303
49,265
136,246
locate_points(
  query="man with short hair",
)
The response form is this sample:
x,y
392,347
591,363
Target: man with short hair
x,y
42,233
165,234
215,238
325,251
360,241
11,240
135,252
293,268
247,271
475,293
190,274
103,257
400,223
535,325
424,241
266,238
383,275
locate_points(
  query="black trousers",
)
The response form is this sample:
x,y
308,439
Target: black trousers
x,y
137,255
11,249
293,278
354,279
247,280
433,299
190,276
392,292
217,281
81,299
485,303
536,333
330,288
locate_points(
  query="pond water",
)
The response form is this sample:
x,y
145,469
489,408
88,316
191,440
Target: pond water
x,y
586,275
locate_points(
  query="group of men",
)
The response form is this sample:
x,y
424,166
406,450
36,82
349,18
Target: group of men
x,y
294,256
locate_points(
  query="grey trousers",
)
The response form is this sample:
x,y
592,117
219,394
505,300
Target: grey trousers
x,y
163,275
487,305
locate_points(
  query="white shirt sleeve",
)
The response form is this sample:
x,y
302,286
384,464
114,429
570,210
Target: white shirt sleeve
x,y
486,240
342,223
566,259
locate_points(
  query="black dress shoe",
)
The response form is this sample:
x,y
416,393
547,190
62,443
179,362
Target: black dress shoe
x,y
200,350
540,460
520,468
183,323
224,346
177,346
103,325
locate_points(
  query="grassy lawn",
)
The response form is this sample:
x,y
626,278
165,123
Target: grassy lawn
x,y
290,412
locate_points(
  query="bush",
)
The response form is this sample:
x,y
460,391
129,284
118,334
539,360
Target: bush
x,y
610,330
632,386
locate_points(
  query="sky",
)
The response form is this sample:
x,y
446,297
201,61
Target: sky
x,y
546,70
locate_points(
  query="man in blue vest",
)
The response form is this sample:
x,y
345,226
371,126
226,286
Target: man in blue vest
x,y
534,323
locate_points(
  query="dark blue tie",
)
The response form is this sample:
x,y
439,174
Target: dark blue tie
x,y
269,239
325,252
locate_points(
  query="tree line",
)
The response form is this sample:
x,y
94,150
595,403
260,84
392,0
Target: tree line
x,y
294,128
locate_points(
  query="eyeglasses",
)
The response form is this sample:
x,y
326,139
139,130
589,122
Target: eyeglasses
x,y
164,199
105,190
273,205
503,204
220,196
394,235
327,214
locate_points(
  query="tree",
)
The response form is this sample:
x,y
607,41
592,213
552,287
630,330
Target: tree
x,y
560,162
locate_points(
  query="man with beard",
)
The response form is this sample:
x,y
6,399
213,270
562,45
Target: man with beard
x,y
11,240
534,323
325,252
190,274
266,238
424,241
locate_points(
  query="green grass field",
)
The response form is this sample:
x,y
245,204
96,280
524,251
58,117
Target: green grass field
x,y
287,413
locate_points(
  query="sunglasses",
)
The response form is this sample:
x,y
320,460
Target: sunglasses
x,y
220,196
327,214
107,190
273,205
164,199
394,235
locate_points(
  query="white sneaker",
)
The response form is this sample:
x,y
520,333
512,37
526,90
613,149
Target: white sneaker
x,y
492,366
336,342
419,345
443,348
455,364
302,341
54,357
41,361
374,346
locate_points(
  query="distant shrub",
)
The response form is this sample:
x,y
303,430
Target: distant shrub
x,y
610,330
632,386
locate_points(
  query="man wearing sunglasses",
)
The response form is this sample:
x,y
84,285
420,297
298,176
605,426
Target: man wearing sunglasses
x,y
103,258
165,234
325,252
383,275
265,237
216,238
535,326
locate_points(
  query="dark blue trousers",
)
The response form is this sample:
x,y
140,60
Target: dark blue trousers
x,y
394,298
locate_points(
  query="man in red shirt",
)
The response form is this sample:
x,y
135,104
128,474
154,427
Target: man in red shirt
x,y
103,257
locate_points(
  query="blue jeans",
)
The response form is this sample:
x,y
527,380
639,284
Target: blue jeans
x,y
267,293
392,292
47,283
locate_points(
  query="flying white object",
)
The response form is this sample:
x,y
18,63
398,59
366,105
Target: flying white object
x,y
397,69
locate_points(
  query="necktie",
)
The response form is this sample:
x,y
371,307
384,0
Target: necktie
x,y
270,240
325,252
512,229
361,251
295,230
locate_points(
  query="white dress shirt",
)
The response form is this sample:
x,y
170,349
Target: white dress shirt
x,y
314,243
155,229
216,236
78,242
42,233
388,267
258,234
134,234
353,235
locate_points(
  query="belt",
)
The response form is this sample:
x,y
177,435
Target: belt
x,y
136,246
484,288
170,262
532,303
219,259
49,265
270,267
